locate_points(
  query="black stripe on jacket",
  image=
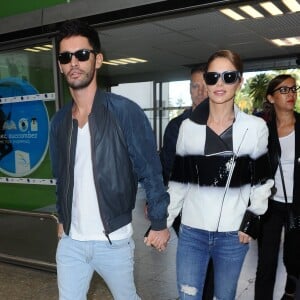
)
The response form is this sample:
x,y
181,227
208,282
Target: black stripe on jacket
x,y
214,170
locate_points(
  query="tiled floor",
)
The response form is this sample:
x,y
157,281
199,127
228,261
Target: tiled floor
x,y
154,273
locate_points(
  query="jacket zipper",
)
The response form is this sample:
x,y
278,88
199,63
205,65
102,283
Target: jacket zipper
x,y
68,178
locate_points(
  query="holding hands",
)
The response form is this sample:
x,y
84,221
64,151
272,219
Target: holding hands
x,y
158,239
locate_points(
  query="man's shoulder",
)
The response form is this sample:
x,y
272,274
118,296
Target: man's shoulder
x,y
118,99
61,113
118,103
127,112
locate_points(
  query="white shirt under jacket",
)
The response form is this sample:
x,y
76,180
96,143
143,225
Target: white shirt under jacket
x,y
202,205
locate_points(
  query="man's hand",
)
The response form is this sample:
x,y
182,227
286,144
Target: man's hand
x,y
158,239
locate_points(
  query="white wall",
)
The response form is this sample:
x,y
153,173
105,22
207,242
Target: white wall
x,y
140,92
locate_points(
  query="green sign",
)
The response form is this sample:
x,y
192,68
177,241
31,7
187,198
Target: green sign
x,y
15,7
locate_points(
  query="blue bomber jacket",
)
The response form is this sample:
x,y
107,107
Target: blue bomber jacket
x,y
123,153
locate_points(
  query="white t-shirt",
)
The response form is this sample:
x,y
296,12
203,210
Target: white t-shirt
x,y
86,223
287,144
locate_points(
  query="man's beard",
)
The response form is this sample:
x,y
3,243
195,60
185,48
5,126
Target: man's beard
x,y
85,82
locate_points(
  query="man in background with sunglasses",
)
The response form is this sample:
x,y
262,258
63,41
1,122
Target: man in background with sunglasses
x,y
101,145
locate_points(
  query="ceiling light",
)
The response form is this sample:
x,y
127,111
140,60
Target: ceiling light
x,y
45,47
278,42
129,61
109,63
232,14
42,48
124,61
271,8
138,59
118,61
32,50
291,41
292,5
252,12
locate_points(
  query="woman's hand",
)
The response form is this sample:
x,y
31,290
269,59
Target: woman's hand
x,y
158,239
244,238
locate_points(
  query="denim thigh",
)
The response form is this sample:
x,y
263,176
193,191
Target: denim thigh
x,y
115,264
191,262
73,272
195,247
228,255
77,260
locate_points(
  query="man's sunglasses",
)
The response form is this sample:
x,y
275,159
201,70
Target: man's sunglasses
x,y
229,77
81,55
286,89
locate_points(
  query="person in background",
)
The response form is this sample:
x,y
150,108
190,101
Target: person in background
x,y
284,144
215,146
168,151
101,145
167,154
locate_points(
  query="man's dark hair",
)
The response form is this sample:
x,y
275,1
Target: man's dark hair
x,y
196,69
78,28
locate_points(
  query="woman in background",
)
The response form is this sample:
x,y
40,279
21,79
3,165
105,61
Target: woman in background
x,y
284,144
211,182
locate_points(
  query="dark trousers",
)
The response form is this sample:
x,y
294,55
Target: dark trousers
x,y
208,290
269,240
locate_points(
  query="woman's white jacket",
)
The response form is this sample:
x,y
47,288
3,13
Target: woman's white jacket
x,y
210,207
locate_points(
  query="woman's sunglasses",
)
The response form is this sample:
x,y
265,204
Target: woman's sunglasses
x,y
81,55
229,77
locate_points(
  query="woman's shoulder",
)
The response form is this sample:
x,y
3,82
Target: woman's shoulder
x,y
252,119
189,124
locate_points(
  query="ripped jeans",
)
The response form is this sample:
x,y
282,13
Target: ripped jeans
x,y
195,248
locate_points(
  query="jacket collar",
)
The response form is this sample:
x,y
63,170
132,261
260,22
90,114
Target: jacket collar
x,y
201,112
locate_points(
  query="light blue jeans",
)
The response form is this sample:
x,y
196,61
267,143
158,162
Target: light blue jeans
x,y
77,261
195,247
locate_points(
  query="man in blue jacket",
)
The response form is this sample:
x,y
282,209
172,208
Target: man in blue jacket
x,y
101,145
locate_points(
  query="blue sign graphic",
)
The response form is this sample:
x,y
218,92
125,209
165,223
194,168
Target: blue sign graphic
x,y
24,129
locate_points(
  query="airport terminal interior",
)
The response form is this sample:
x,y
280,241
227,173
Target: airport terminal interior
x,y
149,47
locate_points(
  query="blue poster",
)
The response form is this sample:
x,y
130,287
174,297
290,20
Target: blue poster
x,y
24,129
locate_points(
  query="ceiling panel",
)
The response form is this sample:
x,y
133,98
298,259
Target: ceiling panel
x,y
176,42
182,34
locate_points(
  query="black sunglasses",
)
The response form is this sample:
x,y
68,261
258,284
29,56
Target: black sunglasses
x,y
229,77
286,89
81,55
